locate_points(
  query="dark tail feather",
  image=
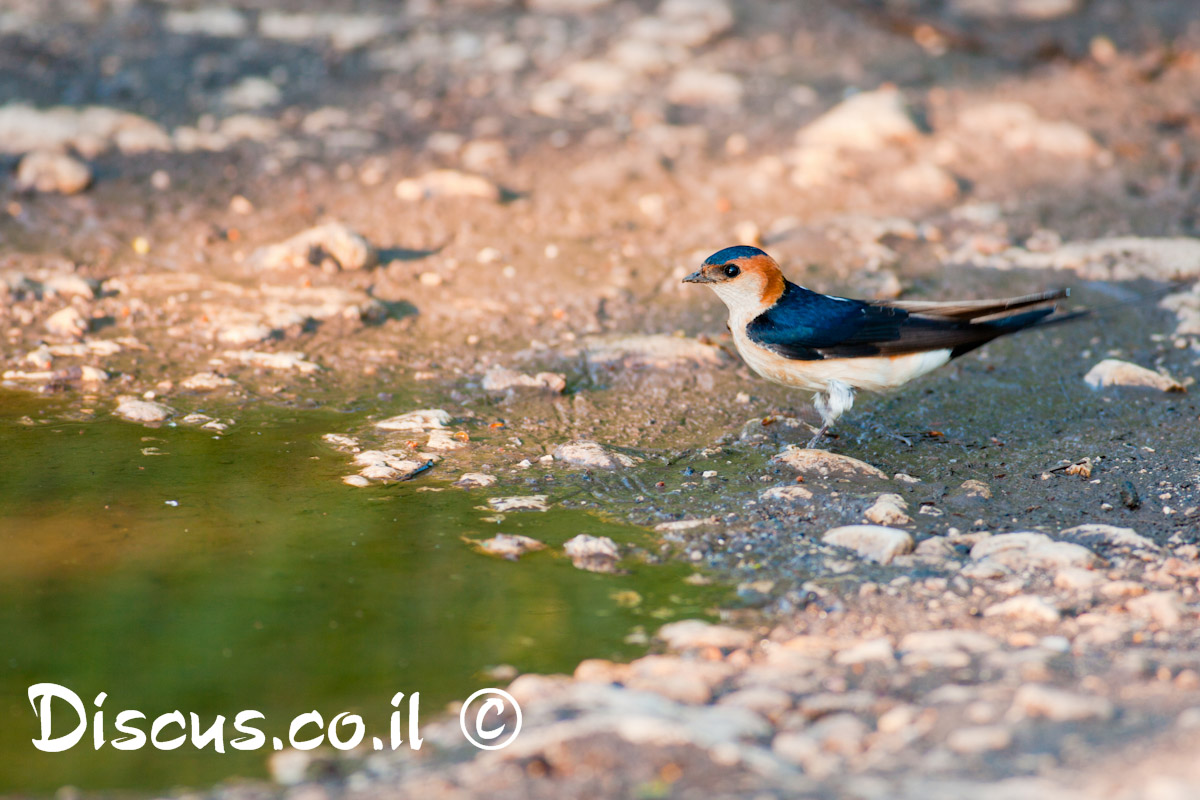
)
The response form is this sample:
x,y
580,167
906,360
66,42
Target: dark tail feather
x,y
1041,318
1038,318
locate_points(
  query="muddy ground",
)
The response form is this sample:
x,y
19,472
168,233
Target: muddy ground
x,y
522,186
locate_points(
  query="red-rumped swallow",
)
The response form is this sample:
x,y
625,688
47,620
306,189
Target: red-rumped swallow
x,y
834,346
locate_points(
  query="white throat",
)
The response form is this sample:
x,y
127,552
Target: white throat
x,y
743,298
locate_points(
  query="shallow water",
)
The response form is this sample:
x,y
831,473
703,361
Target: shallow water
x,y
215,574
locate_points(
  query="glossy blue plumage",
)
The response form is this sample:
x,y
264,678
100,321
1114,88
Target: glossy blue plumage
x,y
731,254
807,326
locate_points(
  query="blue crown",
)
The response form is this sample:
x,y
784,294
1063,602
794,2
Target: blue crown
x,y
732,254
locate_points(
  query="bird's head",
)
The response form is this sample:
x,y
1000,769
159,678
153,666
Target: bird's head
x,y
745,278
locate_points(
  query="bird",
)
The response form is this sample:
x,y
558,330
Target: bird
x,y
836,346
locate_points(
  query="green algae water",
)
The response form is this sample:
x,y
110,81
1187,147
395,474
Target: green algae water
x,y
177,570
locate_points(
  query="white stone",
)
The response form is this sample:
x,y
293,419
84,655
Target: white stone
x,y
252,92
475,480
342,442
447,183
686,23
332,243
510,546
597,78
1186,305
1097,534
72,286
1028,607
591,455
40,357
1123,589
800,748
206,382
24,128
888,509
870,650
68,322
1014,9
865,121
89,374
416,421
685,680
964,640
1018,127
485,155
1060,705
925,182
979,739
592,553
935,547
325,119
89,130
985,570
387,465
243,333
842,733
1165,609
137,135
701,87
786,494
645,57
136,410
766,700
44,171
873,542
825,464
1018,551
692,634
1119,258
249,127
42,376
211,21
1077,579
1114,372
976,489
681,525
283,360
344,31
289,767
533,502
441,440
500,379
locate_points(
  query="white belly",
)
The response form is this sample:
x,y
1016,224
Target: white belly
x,y
870,373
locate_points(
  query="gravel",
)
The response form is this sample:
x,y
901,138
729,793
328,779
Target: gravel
x,y
1030,632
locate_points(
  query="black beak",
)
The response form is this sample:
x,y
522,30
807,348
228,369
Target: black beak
x,y
698,277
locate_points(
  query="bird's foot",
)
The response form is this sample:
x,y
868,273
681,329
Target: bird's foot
x,y
816,439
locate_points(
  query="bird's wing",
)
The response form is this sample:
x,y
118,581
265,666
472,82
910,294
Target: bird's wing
x,y
801,324
975,310
807,326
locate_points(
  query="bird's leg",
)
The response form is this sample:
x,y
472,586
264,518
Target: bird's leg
x,y
820,434
837,399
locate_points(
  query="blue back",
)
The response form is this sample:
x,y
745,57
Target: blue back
x,y
808,326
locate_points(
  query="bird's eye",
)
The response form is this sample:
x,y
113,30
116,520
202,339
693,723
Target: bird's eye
x,y
732,271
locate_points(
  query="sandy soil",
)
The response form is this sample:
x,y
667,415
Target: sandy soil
x,y
523,185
